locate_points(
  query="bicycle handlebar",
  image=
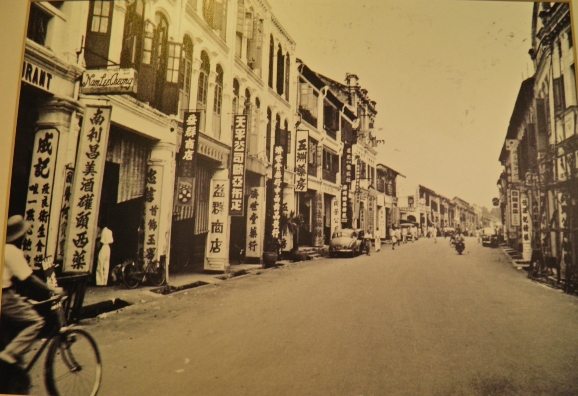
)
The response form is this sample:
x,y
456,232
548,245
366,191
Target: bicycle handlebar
x,y
55,298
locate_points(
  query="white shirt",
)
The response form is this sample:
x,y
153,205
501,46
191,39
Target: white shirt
x,y
14,265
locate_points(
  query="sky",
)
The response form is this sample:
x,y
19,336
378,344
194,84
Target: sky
x,y
445,75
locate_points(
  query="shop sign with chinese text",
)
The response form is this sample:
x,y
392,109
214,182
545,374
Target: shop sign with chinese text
x,y
255,208
217,249
86,189
187,158
237,178
301,168
526,227
515,208
153,189
39,196
318,220
63,227
278,169
346,182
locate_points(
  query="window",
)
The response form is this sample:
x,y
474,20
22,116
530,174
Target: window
x,y
203,87
330,119
559,97
280,71
287,67
37,24
255,45
218,103
185,70
240,28
215,14
308,103
271,60
268,137
132,42
160,58
288,139
312,152
100,16
173,63
236,93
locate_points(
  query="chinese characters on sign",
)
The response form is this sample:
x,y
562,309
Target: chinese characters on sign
x,y
318,220
301,175
86,189
237,187
255,207
515,207
370,213
217,249
187,158
335,214
63,227
526,227
39,197
152,211
278,170
346,183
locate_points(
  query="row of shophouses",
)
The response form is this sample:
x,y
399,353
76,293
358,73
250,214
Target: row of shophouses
x,y
539,186
190,129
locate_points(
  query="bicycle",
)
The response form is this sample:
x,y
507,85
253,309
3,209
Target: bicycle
x,y
73,365
133,273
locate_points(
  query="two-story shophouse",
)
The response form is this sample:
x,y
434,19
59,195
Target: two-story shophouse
x,y
387,201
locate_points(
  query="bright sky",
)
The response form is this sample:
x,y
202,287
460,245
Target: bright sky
x,y
445,75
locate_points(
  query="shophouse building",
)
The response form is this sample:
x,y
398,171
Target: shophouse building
x,y
159,120
387,201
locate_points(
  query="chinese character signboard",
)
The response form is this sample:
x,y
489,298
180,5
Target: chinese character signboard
x,y
318,220
152,211
335,214
278,169
63,227
301,175
370,213
186,159
217,246
39,197
86,189
515,208
237,179
346,182
255,208
526,227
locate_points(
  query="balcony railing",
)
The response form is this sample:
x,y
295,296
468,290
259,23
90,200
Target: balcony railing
x,y
329,176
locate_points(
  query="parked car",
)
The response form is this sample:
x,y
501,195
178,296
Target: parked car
x,y
345,241
489,237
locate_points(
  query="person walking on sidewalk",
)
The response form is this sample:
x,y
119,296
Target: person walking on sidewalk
x,y
404,234
368,238
398,235
377,237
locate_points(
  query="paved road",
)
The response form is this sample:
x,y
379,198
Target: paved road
x,y
420,320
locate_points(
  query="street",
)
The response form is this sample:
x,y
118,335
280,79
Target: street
x,y
419,320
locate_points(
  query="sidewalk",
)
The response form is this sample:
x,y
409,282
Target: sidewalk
x,y
103,295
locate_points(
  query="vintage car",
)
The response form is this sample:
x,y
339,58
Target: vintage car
x,y
345,241
489,237
411,230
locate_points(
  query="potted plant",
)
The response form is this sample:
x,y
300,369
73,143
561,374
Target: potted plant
x,y
292,224
270,251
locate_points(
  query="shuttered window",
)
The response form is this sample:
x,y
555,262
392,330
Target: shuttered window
x,y
202,191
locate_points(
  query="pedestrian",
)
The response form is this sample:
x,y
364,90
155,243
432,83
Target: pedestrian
x,y
377,237
17,313
103,264
393,240
398,235
368,238
404,234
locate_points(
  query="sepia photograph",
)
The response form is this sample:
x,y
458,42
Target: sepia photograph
x,y
289,197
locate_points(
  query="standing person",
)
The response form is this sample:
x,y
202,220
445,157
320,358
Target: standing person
x,y
104,257
377,237
16,312
404,234
393,238
398,235
368,238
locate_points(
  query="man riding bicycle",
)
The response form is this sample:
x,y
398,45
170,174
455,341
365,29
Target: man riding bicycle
x,y
16,313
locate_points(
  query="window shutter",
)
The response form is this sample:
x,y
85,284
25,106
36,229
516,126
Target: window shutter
x,y
248,33
240,16
219,15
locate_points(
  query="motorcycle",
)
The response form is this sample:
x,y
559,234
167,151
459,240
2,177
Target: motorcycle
x,y
460,246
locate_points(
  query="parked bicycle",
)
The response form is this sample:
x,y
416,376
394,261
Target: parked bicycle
x,y
134,273
73,365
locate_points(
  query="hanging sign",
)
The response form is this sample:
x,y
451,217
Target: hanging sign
x,y
237,178
39,197
217,249
515,208
318,220
301,171
278,169
152,213
63,227
370,213
187,158
335,214
526,228
37,76
86,189
108,81
255,207
346,182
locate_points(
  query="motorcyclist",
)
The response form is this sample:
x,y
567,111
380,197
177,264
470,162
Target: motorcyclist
x,y
458,237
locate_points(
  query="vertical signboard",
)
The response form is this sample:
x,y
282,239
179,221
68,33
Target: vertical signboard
x,y
153,189
346,183
237,179
217,251
39,197
526,227
335,215
86,189
318,220
186,164
370,213
515,208
278,169
65,208
301,175
255,207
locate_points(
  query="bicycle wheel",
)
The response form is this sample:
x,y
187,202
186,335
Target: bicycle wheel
x,y
130,274
157,275
73,365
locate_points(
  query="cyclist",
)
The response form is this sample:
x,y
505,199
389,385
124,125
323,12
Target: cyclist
x,y
16,313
